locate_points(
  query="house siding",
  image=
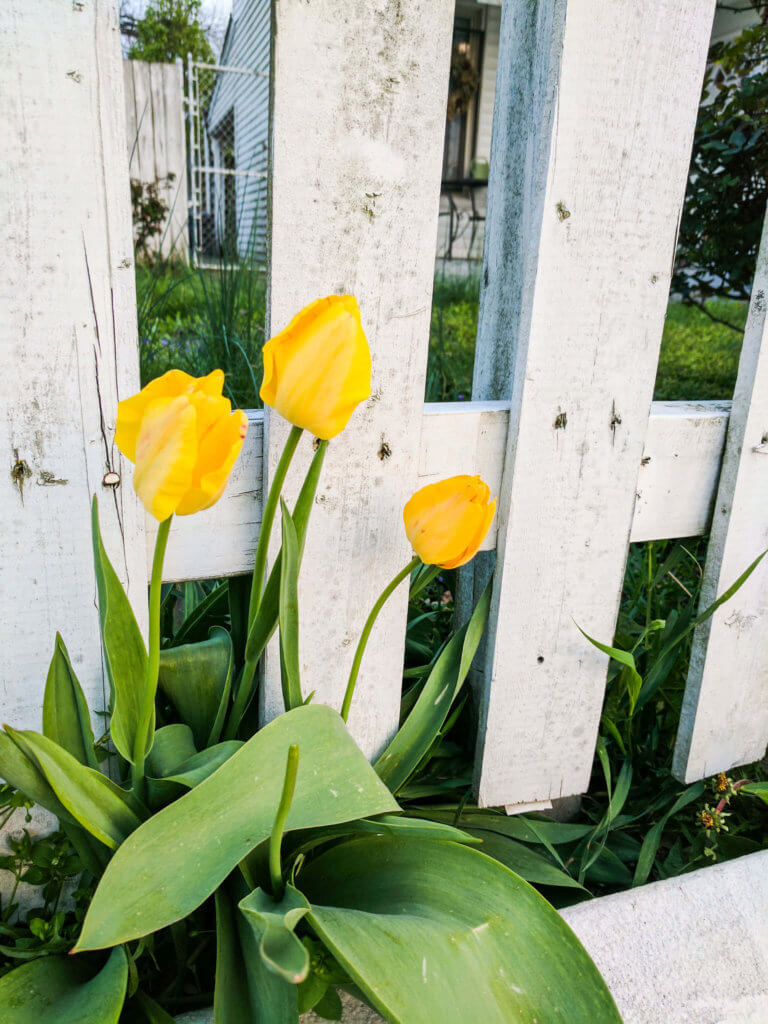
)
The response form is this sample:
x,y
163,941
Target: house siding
x,y
247,46
488,82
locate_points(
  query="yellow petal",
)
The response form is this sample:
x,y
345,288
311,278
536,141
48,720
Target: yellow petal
x,y
166,454
218,451
318,370
446,522
130,411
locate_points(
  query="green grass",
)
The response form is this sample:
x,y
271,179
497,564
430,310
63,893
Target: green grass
x,y
698,361
198,320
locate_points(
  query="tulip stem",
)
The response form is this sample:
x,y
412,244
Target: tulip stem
x,y
141,744
362,642
267,519
276,838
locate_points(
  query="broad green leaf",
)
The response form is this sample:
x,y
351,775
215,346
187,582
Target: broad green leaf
x,y
652,839
196,678
66,719
93,800
174,744
329,1006
524,861
21,771
416,735
63,990
289,613
383,825
273,926
190,773
245,989
758,789
439,932
170,865
125,655
516,826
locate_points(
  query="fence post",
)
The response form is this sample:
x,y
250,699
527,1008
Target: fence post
x,y
358,120
724,718
595,111
68,308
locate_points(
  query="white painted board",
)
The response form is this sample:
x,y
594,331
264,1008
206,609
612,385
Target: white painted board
x,y
594,120
724,718
68,310
357,136
675,492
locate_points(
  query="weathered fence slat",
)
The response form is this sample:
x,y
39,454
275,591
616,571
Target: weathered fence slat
x,y
358,120
724,718
68,308
595,111
156,139
675,491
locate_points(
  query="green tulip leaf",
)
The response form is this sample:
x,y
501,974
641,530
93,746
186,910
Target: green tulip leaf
x,y
289,613
416,735
176,860
437,931
758,789
66,719
196,678
329,1005
62,990
190,773
524,861
383,825
273,927
125,655
93,800
174,744
245,988
20,770
196,626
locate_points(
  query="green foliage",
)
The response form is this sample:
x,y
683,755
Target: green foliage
x,y
698,361
420,922
699,358
171,29
198,320
727,185
150,211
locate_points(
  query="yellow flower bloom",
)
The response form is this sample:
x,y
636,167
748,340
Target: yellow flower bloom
x,y
184,439
447,522
318,370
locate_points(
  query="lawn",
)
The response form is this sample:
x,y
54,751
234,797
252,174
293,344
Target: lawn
x,y
197,320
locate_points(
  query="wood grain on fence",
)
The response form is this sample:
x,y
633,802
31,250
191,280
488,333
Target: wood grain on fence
x,y
592,137
724,719
156,140
675,491
359,99
68,309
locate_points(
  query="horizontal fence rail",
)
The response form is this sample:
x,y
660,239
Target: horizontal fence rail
x,y
676,486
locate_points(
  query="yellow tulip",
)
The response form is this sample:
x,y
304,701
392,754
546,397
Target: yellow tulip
x,y
447,522
184,439
318,370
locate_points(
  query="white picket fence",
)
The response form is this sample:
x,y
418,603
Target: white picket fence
x,y
595,110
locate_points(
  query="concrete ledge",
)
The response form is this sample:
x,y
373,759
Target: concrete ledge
x,y
691,950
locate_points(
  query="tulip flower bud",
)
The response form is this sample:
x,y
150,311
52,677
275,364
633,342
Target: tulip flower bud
x,y
447,522
184,439
318,370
